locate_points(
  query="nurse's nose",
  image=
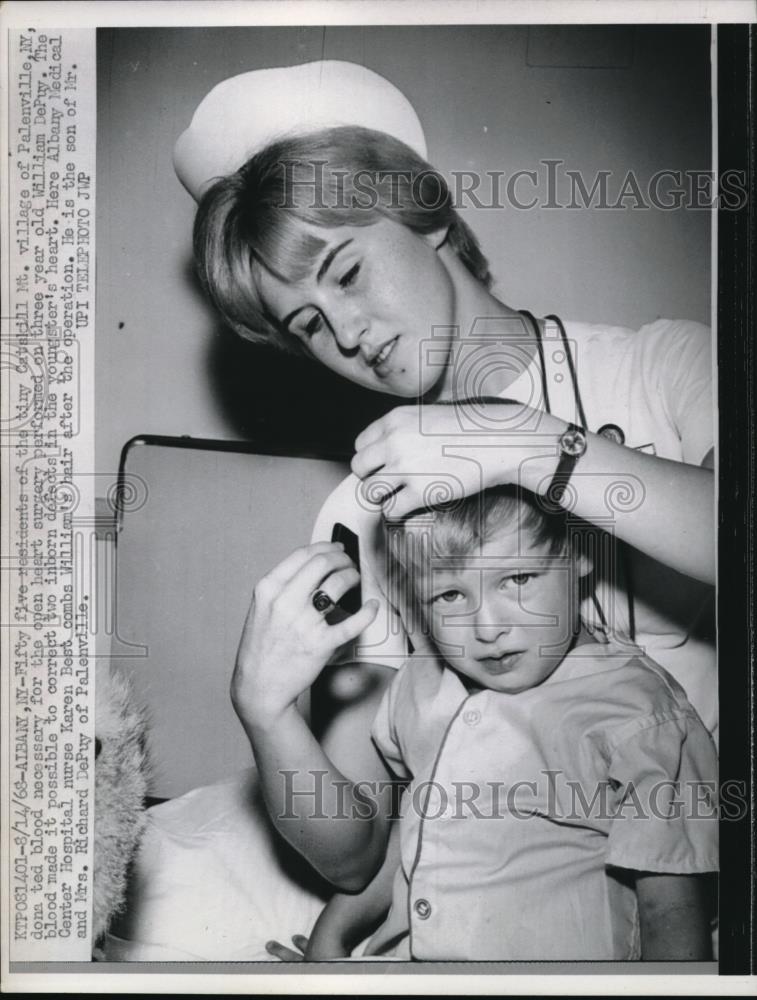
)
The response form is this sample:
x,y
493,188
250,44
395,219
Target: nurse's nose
x,y
348,326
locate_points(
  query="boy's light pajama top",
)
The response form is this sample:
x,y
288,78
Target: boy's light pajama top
x,y
523,810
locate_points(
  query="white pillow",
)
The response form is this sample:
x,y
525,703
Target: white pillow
x,y
214,881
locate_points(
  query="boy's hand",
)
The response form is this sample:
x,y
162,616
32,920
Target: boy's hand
x,y
286,642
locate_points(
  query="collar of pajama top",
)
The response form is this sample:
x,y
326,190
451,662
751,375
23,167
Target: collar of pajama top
x,y
501,859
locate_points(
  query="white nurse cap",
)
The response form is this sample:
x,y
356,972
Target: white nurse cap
x,y
242,115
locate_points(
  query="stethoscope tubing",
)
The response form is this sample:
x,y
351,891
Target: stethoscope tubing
x,y
585,424
543,366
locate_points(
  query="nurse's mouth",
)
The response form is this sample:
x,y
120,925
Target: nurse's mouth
x,y
379,361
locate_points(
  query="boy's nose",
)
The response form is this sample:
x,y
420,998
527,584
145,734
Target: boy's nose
x,y
491,623
491,633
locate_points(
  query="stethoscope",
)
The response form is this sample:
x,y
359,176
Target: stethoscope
x,y
610,431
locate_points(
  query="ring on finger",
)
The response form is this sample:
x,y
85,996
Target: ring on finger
x,y
322,602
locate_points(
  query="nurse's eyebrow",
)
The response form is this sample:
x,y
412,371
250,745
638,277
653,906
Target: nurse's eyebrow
x,y
326,263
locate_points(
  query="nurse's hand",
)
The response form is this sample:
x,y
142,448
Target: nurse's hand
x,y
418,456
308,949
286,642
285,954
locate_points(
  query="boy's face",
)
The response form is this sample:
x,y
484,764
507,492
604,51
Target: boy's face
x,y
506,618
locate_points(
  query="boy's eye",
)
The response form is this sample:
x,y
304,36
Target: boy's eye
x,y
347,279
448,597
516,580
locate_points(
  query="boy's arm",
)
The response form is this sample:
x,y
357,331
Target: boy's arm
x,y
675,757
673,914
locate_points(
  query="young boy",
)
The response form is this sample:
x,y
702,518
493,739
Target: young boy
x,y
559,790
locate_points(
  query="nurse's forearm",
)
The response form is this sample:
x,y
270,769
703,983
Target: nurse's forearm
x,y
664,508
313,806
349,919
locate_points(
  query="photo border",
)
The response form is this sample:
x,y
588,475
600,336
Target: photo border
x,y
735,313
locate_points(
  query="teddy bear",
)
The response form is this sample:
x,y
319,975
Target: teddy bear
x,y
121,782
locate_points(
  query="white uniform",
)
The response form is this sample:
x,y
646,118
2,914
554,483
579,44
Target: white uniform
x,y
655,384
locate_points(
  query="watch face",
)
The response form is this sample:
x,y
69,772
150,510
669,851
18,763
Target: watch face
x,y
573,442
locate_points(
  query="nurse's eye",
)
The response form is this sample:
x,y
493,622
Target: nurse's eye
x,y
314,324
349,278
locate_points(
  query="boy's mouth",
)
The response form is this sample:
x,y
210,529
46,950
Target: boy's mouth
x,y
500,664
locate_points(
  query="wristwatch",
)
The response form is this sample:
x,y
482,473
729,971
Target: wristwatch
x,y
572,444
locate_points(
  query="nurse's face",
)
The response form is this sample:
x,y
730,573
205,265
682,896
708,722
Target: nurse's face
x,y
369,305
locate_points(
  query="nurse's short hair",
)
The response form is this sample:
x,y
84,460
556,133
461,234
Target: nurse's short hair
x,y
348,175
461,528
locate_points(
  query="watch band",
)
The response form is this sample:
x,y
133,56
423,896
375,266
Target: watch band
x,y
572,446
